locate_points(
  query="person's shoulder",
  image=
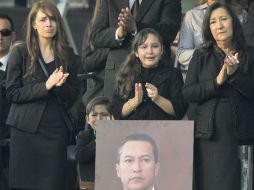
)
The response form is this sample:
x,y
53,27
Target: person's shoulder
x,y
18,44
18,48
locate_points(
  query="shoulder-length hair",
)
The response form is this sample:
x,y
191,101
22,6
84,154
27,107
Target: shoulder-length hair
x,y
131,67
60,45
238,39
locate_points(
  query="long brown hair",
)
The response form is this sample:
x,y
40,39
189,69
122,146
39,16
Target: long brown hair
x,y
131,67
60,45
89,28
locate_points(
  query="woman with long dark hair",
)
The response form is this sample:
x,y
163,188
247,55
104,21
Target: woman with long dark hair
x,y
41,84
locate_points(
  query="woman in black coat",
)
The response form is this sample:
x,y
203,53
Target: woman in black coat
x,y
41,84
220,80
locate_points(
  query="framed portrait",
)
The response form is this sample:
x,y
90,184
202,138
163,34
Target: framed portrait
x,y
170,167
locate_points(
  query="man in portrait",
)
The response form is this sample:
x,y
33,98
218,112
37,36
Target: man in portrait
x,y
138,164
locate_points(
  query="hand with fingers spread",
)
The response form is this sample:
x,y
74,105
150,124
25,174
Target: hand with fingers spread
x,y
152,91
126,20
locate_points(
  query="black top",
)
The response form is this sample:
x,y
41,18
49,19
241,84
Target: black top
x,y
169,82
52,114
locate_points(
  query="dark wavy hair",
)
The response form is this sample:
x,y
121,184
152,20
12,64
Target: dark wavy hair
x,y
238,39
131,67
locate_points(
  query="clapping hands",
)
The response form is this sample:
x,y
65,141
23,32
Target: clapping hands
x,y
231,62
229,67
152,91
57,78
126,22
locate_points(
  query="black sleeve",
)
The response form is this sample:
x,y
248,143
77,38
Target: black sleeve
x,y
93,58
243,79
117,106
85,149
179,104
194,89
16,90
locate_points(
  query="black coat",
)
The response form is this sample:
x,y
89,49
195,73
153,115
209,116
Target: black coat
x,y
169,82
28,95
200,88
93,60
162,15
249,25
85,147
4,107
85,154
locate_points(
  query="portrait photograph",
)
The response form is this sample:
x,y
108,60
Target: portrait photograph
x,y
144,155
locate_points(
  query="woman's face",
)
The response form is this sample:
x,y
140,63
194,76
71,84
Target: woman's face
x,y
99,112
150,52
221,25
45,24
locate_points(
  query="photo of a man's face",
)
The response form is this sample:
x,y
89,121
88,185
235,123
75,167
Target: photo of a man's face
x,y
137,167
144,155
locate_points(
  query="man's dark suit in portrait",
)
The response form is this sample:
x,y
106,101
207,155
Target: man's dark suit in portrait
x,y
161,15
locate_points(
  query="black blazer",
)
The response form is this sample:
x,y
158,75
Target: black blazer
x,y
200,88
28,96
161,15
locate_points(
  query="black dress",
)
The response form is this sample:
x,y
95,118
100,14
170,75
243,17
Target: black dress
x,y
40,157
169,83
